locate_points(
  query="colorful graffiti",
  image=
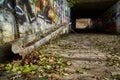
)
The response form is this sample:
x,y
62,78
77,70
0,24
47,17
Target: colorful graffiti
x,y
55,11
44,6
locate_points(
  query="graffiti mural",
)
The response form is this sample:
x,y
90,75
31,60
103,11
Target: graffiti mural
x,y
20,8
43,12
28,24
31,16
50,10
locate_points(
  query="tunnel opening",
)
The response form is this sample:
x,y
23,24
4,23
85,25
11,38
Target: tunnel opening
x,y
86,25
96,16
83,23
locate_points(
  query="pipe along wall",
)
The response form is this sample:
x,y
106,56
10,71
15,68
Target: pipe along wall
x,y
26,24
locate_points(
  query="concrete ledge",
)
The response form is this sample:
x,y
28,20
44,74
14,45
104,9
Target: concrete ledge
x,y
18,48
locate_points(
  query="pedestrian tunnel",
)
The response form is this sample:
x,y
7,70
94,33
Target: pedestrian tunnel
x,y
25,26
102,15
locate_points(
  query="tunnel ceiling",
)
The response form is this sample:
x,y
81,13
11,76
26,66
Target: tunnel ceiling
x,y
91,8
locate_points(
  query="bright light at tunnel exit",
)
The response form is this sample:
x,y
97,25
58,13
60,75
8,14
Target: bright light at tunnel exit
x,y
83,23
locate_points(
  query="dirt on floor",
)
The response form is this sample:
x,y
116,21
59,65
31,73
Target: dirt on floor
x,y
92,56
89,56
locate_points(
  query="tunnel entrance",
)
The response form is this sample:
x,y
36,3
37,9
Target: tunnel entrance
x,y
96,15
82,23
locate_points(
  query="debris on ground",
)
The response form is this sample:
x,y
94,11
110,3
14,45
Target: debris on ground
x,y
88,56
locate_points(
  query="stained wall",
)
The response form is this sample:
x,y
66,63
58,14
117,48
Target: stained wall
x,y
109,20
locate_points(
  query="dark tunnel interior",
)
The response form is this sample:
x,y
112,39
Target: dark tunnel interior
x,y
89,9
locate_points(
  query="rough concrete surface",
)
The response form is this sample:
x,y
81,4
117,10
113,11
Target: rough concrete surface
x,y
89,60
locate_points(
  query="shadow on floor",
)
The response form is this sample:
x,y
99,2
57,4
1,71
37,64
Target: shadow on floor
x,y
6,55
84,59
94,31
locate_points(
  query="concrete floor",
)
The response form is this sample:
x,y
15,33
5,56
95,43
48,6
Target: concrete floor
x,y
88,49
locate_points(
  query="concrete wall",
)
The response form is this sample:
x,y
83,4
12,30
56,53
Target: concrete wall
x,y
109,20
118,17
56,11
7,27
61,14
